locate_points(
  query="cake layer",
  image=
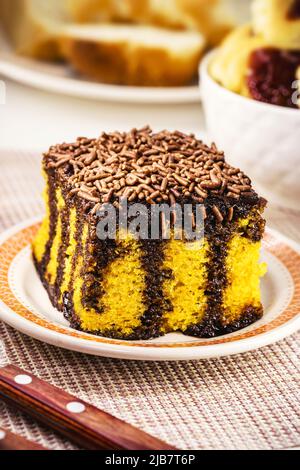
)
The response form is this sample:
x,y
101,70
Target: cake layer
x,y
113,300
186,288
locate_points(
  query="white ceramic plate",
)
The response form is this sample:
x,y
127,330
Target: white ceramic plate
x,y
25,306
59,78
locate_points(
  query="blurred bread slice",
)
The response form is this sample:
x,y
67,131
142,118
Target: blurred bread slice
x,y
213,18
133,54
275,21
113,53
32,25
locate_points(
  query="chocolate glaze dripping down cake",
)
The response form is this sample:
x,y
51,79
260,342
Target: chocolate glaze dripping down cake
x,y
134,288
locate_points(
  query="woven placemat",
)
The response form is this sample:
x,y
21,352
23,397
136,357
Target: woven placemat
x,y
249,401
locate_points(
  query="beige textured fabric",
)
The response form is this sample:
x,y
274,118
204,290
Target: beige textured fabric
x,y
249,401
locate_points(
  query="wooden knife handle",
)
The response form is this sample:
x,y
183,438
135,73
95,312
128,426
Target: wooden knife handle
x,y
10,441
78,421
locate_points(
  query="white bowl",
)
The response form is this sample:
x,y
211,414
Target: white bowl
x,y
261,139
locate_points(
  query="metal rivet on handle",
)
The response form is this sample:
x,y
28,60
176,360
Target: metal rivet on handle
x,y
75,407
23,379
2,434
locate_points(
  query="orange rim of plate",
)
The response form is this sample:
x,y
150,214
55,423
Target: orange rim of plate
x,y
10,248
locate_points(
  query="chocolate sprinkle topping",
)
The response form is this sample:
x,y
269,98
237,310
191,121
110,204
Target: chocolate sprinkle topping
x,y
142,165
